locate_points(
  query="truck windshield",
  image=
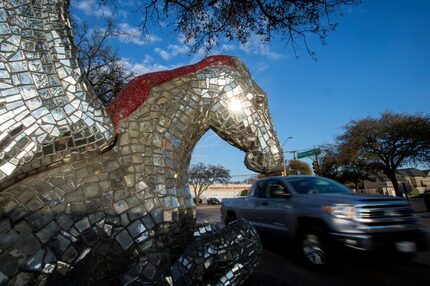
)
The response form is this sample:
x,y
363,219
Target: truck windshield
x,y
317,185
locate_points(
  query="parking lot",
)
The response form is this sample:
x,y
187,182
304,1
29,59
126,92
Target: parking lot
x,y
281,266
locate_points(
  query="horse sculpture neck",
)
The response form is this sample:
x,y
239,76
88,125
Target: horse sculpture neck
x,y
156,140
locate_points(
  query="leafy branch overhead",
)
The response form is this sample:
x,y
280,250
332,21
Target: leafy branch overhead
x,y
205,23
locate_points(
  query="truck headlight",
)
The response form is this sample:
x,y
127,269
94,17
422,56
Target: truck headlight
x,y
343,211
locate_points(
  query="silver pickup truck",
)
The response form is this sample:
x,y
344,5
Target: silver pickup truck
x,y
321,214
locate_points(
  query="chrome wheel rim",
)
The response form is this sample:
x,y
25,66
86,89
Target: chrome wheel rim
x,y
313,250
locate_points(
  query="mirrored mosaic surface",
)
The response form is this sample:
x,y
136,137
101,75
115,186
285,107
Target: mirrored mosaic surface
x,y
48,115
126,216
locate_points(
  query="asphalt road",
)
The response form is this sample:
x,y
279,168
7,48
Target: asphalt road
x,y
280,265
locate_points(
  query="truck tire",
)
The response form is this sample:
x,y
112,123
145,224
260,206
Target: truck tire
x,y
315,247
230,217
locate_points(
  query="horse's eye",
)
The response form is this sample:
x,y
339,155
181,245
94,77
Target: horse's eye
x,y
259,100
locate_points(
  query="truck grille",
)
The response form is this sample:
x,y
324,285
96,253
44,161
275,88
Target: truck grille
x,y
385,214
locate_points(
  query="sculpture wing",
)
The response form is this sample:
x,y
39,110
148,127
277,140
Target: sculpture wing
x,y
48,114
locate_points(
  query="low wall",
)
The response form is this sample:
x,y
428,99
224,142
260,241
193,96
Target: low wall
x,y
221,191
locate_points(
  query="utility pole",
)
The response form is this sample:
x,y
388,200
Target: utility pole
x,y
285,167
285,160
294,152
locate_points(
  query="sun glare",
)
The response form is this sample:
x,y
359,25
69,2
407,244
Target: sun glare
x,y
235,105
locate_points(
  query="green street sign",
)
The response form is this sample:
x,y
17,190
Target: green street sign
x,y
310,153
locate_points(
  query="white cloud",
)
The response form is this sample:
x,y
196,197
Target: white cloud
x,y
146,65
228,47
172,51
256,47
209,140
127,3
92,8
103,11
183,40
260,67
253,47
84,6
129,34
123,14
179,49
195,158
163,53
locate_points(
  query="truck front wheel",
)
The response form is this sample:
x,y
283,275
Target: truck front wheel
x,y
315,247
230,217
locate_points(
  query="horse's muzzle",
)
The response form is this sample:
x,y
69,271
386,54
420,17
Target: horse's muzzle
x,y
262,162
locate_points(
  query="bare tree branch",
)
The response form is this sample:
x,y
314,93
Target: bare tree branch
x,y
101,64
202,176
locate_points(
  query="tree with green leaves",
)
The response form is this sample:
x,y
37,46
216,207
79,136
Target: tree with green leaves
x,y
207,23
202,176
244,192
388,142
298,167
329,161
294,167
336,163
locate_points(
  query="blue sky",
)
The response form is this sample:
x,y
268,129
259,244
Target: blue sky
x,y
377,60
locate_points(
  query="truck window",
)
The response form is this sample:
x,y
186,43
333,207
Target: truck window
x,y
260,189
251,191
317,185
276,189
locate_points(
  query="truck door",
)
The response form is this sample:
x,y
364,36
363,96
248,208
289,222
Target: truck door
x,y
257,196
275,210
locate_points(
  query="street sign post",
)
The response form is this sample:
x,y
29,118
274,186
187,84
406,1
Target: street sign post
x,y
309,153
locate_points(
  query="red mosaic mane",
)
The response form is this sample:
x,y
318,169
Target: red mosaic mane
x,y
137,90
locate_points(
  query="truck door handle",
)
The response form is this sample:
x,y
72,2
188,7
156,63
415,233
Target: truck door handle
x,y
264,204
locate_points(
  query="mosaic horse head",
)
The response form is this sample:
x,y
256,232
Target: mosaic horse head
x,y
217,93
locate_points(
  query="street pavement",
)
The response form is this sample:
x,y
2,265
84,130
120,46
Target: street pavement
x,y
280,265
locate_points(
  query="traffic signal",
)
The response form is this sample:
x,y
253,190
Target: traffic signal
x,y
315,167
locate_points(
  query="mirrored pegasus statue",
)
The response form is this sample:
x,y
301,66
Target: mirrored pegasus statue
x,y
100,197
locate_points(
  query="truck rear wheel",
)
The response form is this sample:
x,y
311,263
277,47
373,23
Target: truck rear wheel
x,y
315,247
